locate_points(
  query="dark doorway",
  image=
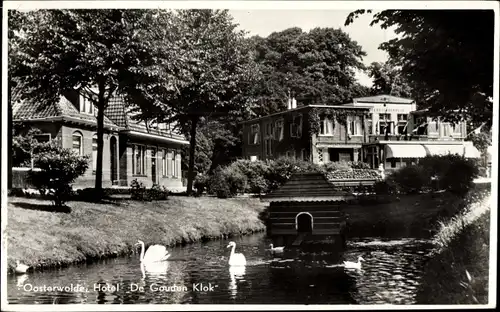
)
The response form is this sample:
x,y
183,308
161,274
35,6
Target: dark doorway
x,y
304,223
153,165
114,161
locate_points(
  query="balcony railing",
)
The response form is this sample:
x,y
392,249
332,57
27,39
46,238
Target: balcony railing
x,y
397,137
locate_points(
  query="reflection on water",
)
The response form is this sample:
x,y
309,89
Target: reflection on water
x,y
199,273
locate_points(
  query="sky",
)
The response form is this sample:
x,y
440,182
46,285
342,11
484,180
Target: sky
x,y
265,22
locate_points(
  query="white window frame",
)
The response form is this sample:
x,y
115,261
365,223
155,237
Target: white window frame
x,y
142,159
354,126
94,152
296,128
254,138
86,106
326,124
164,162
173,160
280,129
80,136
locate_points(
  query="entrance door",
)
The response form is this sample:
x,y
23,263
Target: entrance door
x,y
114,161
153,165
304,223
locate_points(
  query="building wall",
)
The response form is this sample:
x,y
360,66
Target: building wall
x,y
88,178
164,178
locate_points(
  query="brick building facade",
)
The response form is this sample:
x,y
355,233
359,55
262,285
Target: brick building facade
x,y
152,155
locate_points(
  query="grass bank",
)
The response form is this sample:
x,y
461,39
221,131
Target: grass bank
x,y
42,238
406,216
458,271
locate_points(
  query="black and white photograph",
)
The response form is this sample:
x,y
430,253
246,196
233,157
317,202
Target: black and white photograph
x,y
227,155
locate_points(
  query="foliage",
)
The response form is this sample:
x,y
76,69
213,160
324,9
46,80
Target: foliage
x,y
96,53
410,179
387,80
448,62
281,169
338,115
317,66
481,141
59,168
358,165
227,182
216,72
255,172
26,145
138,191
200,183
386,187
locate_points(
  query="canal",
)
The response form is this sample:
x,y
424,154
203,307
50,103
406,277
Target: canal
x,y
199,273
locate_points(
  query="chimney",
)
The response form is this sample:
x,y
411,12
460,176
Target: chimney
x,y
294,103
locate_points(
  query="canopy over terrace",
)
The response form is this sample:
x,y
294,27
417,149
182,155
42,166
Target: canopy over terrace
x,y
420,150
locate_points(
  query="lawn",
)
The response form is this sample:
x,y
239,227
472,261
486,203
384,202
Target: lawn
x,y
41,237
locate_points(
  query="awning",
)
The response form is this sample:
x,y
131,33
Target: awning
x,y
444,149
471,151
405,151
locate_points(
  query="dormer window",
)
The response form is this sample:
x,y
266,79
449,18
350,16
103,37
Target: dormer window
x,y
86,105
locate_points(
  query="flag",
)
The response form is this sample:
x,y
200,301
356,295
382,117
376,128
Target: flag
x,y
478,129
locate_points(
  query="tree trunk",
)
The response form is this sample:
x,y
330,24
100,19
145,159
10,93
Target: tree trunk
x,y
192,146
100,141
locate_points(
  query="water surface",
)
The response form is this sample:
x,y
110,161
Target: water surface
x,y
199,273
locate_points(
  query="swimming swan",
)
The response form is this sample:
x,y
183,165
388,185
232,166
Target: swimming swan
x,y
236,258
353,265
276,249
154,253
21,268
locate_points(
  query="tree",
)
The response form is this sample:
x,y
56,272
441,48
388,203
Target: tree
x,y
387,80
314,67
216,73
92,51
446,56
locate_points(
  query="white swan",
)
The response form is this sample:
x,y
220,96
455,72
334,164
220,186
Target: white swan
x,y
236,258
154,253
276,249
21,268
353,265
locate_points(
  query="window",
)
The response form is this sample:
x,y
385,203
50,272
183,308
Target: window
x,y
457,128
138,159
268,146
384,123
279,129
164,162
447,129
94,152
402,123
173,162
354,125
326,126
77,143
269,129
254,134
296,127
86,105
42,138
369,125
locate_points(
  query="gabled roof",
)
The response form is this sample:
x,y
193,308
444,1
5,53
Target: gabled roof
x,y
384,98
307,187
118,112
27,110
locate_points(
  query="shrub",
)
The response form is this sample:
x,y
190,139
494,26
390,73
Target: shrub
x,y
358,165
59,169
451,172
138,191
255,172
386,187
227,182
460,175
200,183
410,179
281,169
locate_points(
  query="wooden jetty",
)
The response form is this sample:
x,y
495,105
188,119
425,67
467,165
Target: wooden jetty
x,y
307,209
